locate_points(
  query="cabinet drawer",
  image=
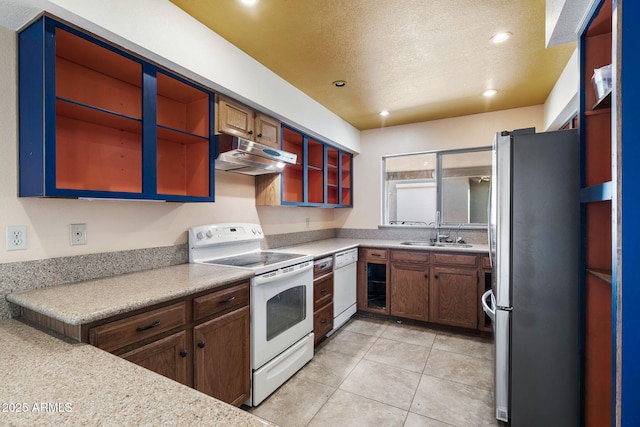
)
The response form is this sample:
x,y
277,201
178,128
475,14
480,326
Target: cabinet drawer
x,y
375,253
224,300
412,256
454,259
322,266
322,322
120,333
486,263
322,291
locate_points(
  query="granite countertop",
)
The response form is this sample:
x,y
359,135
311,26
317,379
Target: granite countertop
x,y
322,248
48,380
83,302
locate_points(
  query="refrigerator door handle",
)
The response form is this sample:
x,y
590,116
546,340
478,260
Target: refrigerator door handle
x,y
490,311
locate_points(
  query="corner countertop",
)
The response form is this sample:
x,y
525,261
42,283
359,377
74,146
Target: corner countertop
x,y
83,302
48,380
321,248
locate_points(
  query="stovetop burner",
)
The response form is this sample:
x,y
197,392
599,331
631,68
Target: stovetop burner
x,y
254,259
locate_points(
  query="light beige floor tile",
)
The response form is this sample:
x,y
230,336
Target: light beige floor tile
x,y
328,367
399,354
454,403
471,346
351,343
415,420
346,409
362,325
295,403
409,334
460,368
386,384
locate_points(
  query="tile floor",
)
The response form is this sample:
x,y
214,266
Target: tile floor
x,y
379,373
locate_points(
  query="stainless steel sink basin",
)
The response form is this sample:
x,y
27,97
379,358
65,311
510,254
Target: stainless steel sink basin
x,y
440,244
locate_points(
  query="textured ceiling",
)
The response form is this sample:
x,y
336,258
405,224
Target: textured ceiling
x,y
420,60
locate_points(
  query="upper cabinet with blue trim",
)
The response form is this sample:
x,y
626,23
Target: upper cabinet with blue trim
x,y
97,122
321,176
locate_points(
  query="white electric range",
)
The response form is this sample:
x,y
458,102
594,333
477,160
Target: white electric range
x,y
281,300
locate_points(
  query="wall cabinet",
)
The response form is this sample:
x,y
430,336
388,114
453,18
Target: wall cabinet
x,y
410,284
97,122
595,122
321,176
201,341
236,119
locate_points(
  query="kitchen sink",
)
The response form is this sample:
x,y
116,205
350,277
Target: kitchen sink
x,y
440,244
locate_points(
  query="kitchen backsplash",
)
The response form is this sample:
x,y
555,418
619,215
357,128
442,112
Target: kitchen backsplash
x,y
18,276
476,236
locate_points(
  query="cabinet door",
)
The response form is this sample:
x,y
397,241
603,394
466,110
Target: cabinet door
x,y
168,357
234,118
454,296
267,130
222,358
373,286
410,290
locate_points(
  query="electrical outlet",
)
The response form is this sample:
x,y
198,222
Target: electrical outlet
x,y
307,222
16,237
78,234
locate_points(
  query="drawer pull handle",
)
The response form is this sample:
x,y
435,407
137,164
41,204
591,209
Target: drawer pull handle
x,y
375,254
323,290
201,344
426,276
323,321
144,328
183,353
224,301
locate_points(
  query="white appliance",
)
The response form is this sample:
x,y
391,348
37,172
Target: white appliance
x,y
281,300
534,304
344,287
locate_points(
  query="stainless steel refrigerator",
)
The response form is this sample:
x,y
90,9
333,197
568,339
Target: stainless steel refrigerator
x,y
534,240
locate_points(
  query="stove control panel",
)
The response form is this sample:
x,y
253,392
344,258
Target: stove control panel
x,y
216,234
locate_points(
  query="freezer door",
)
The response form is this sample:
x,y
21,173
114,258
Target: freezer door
x,y
502,333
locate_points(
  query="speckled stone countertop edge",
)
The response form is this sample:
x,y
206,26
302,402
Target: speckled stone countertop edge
x,y
28,298
82,385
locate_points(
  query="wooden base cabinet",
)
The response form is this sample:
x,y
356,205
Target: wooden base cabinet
x,y
202,341
373,281
166,356
454,296
410,285
322,298
222,358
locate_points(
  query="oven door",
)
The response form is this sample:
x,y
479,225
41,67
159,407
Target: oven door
x,y
281,311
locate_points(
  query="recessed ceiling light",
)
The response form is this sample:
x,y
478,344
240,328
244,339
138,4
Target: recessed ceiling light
x,y
249,2
500,37
489,93
339,83
384,113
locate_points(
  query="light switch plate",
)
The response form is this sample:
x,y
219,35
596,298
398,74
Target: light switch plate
x,y
16,237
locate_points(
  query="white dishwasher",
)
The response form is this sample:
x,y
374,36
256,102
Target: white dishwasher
x,y
344,287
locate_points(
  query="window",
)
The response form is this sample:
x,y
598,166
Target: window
x,y
444,187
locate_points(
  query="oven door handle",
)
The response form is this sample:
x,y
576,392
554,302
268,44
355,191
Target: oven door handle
x,y
280,275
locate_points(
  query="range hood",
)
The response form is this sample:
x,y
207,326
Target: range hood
x,y
240,155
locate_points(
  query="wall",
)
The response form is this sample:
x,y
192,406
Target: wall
x,y
459,132
562,103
